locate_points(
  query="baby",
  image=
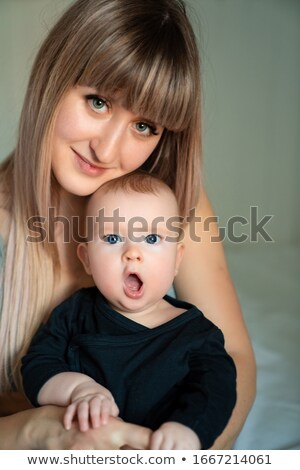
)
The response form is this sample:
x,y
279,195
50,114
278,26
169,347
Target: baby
x,y
125,348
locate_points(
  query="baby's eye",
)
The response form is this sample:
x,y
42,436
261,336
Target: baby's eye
x,y
112,239
146,129
152,238
97,103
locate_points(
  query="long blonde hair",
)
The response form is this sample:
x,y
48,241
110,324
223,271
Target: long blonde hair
x,y
146,49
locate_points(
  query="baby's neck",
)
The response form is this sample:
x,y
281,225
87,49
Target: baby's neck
x,y
155,315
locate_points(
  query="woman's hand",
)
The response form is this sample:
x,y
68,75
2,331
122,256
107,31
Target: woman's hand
x,y
42,429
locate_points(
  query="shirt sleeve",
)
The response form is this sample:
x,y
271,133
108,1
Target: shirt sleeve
x,y
209,391
47,354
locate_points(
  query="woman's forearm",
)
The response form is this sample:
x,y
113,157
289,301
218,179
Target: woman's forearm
x,y
42,429
38,429
15,431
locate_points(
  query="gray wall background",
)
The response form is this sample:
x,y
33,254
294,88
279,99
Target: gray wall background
x,y
251,100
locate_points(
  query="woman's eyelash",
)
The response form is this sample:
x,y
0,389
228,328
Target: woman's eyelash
x,y
96,97
152,127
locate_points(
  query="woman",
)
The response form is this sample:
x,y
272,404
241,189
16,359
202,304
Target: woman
x,y
114,87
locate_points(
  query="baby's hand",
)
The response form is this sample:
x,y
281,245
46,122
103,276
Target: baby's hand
x,y
92,410
174,436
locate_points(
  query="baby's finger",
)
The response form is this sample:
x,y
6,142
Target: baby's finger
x,y
156,440
161,440
114,409
167,442
83,416
69,415
106,408
95,411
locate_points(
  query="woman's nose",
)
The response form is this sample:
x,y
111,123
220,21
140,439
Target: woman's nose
x,y
106,145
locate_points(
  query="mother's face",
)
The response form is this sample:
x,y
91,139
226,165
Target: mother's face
x,y
97,139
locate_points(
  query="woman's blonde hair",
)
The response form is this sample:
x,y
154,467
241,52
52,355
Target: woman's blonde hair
x,y
146,50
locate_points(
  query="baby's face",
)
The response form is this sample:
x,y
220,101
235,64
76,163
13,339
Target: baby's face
x,y
135,253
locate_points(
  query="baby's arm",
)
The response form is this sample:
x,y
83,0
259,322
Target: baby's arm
x,y
174,436
205,399
89,401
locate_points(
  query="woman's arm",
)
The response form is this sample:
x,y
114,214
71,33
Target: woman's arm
x,y
42,429
204,280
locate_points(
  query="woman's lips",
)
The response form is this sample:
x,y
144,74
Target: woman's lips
x,y
86,167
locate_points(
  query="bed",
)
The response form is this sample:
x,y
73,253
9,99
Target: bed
x,y
267,279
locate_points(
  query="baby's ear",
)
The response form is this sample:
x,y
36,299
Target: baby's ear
x,y
179,255
83,255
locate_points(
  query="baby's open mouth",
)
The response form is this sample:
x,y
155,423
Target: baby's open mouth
x,y
133,282
133,286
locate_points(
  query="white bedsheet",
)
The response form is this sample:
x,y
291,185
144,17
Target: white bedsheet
x,y
268,282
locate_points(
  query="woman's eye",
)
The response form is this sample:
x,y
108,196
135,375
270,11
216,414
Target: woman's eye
x,y
112,239
146,129
97,103
152,239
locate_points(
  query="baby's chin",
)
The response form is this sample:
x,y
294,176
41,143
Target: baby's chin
x,y
135,308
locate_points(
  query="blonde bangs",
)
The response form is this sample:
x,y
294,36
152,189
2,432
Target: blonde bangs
x,y
155,74
154,94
